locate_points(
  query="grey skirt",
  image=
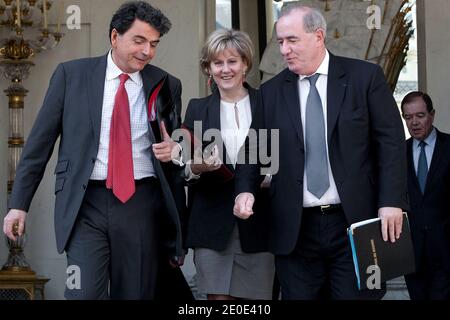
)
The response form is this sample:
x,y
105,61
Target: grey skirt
x,y
233,272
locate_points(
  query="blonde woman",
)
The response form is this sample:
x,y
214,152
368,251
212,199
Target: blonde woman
x,y
229,253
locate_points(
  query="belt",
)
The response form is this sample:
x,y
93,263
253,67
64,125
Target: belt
x,y
325,209
102,183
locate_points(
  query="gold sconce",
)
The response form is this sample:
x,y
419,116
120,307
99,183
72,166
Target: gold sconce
x,y
24,32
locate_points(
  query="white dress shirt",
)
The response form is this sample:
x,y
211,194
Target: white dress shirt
x,y
233,135
142,163
429,149
331,196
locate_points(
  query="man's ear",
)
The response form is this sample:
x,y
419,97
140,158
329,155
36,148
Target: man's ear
x,y
114,35
320,35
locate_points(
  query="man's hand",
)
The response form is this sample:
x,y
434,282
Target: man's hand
x,y
14,218
391,223
243,205
168,149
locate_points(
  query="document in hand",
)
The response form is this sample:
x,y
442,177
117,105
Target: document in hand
x,y
369,249
224,173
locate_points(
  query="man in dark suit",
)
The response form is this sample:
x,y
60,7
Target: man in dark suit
x,y
341,160
115,187
428,155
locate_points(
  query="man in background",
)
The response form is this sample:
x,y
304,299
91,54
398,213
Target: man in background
x,y
428,152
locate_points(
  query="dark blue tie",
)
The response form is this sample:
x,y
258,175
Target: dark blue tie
x,y
316,151
422,167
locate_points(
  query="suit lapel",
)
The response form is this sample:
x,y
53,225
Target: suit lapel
x,y
151,76
438,152
150,79
95,83
336,86
291,95
253,100
214,111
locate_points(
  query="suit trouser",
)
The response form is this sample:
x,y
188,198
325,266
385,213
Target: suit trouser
x,y
115,244
321,265
431,281
429,285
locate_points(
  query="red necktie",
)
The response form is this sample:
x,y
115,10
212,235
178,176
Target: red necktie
x,y
120,158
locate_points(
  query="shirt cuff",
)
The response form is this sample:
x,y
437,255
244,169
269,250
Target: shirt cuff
x,y
179,159
189,175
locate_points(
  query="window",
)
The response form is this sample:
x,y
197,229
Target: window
x,y
227,14
223,14
408,78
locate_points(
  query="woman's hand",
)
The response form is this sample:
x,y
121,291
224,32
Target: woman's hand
x,y
201,164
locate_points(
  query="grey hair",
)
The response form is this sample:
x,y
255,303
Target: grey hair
x,y
312,18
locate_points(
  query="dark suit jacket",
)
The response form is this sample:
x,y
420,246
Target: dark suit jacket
x,y
211,200
366,146
72,110
429,213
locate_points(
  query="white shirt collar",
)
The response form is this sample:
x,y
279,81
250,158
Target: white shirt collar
x,y
323,68
113,71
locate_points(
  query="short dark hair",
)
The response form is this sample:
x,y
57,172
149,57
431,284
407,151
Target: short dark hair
x,y
418,94
132,10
